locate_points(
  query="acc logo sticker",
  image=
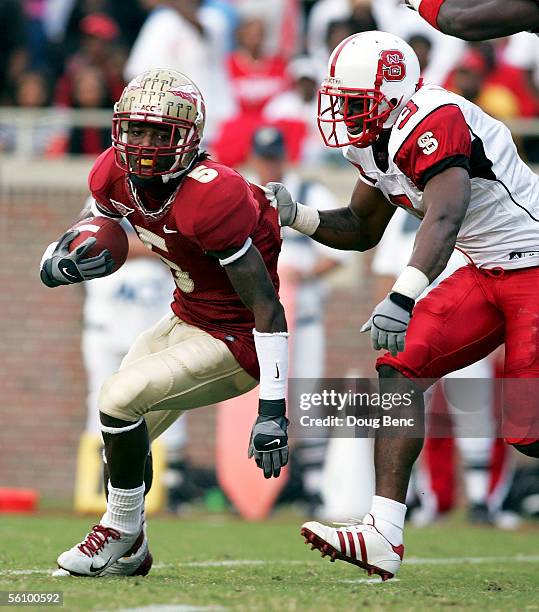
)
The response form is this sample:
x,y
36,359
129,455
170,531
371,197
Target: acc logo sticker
x,y
428,143
147,108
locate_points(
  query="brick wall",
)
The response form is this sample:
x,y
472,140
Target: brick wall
x,y
41,376
42,403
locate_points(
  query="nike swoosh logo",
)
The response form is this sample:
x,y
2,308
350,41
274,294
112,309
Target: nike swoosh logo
x,y
273,442
100,568
65,271
169,231
277,370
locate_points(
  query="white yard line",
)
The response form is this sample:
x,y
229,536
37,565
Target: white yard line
x,y
367,581
171,608
255,562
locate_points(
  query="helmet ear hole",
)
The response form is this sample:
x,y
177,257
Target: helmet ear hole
x,y
394,102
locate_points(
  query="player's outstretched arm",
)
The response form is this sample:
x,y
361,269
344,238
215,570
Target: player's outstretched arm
x,y
250,279
358,227
481,19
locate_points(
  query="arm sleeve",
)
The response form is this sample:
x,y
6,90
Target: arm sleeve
x,y
228,216
440,141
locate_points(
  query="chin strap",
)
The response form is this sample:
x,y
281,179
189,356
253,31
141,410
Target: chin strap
x,y
181,173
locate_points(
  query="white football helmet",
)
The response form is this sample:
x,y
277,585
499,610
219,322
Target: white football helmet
x,y
163,98
371,77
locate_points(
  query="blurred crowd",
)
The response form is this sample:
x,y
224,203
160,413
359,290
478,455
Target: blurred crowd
x,y
256,62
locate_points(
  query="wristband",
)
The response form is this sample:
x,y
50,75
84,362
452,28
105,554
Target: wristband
x,y
411,283
307,219
405,302
272,409
428,9
272,353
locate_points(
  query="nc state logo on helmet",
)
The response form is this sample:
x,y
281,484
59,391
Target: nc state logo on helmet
x,y
371,76
171,105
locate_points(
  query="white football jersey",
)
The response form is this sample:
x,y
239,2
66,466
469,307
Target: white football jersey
x,y
438,129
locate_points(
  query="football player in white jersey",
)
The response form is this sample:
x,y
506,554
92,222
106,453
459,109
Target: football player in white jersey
x,y
479,19
444,160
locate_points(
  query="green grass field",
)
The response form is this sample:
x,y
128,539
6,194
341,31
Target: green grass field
x,y
221,563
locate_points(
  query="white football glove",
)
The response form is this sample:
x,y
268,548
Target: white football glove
x,y
286,206
389,322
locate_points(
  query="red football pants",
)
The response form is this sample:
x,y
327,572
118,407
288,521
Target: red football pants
x,y
465,318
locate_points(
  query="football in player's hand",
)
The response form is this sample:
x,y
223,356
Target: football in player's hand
x,y
109,234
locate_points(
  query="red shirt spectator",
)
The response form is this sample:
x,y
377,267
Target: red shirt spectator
x,y
255,76
97,50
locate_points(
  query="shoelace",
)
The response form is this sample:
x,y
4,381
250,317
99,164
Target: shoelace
x,y
355,522
350,522
96,539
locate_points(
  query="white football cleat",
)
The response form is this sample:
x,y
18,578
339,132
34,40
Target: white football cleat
x,y
361,544
102,547
136,562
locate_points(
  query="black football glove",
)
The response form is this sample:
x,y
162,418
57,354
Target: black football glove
x,y
64,268
269,440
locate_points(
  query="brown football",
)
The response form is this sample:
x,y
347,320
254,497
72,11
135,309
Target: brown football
x,y
109,234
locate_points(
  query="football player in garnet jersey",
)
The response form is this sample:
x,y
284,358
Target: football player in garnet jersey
x,y
479,19
444,160
220,237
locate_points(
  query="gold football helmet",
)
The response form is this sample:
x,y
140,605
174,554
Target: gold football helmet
x,y
173,106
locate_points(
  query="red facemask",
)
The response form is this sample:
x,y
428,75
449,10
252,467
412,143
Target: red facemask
x,y
154,160
355,117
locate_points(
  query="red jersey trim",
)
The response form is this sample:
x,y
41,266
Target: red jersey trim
x,y
430,142
106,212
361,171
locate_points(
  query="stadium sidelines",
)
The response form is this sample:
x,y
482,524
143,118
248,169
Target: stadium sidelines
x,y
254,562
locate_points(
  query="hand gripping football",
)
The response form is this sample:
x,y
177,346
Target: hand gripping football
x,y
109,234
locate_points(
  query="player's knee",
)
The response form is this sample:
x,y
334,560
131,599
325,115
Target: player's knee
x,y
394,381
121,395
530,450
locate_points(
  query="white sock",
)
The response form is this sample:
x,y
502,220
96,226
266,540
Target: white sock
x,y
124,509
476,482
388,518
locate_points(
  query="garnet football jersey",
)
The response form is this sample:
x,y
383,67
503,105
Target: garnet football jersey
x,y
438,129
213,209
